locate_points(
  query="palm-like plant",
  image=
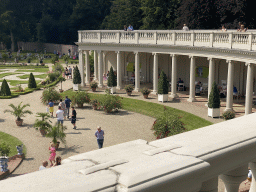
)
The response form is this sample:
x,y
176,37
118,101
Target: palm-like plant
x,y
42,124
18,111
57,132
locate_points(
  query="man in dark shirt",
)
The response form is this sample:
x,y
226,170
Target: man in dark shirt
x,y
73,117
67,102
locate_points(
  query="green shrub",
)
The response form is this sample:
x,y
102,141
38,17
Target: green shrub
x,y
145,91
31,81
129,88
229,115
110,102
58,68
214,98
167,124
54,59
4,149
50,93
77,76
162,84
80,98
111,78
53,76
5,89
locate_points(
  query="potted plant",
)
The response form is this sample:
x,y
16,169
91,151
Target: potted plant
x,y
18,111
229,115
57,132
94,103
43,125
4,152
162,87
50,94
112,81
80,98
110,103
145,92
214,102
60,78
129,89
76,79
93,85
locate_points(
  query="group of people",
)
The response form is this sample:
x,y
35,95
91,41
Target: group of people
x,y
68,72
129,28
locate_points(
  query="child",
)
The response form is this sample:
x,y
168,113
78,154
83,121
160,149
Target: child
x,y
73,117
58,161
50,105
45,164
53,153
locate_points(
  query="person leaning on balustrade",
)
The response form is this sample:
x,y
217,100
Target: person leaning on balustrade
x,y
185,28
223,29
242,29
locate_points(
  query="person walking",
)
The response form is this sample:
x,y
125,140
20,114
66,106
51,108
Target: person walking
x,y
100,137
63,108
73,117
60,116
70,72
67,102
50,105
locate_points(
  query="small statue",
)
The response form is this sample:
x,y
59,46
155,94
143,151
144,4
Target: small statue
x,y
20,149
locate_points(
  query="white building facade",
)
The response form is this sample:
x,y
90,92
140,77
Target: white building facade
x,y
220,56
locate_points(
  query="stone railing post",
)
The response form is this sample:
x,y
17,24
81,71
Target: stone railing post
x,y
79,36
192,38
211,39
155,37
99,37
174,38
233,179
230,40
136,37
250,42
118,37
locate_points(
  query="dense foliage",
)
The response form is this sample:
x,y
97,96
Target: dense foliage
x,y
5,89
50,93
31,81
77,76
57,21
214,98
111,78
167,125
229,115
80,98
110,103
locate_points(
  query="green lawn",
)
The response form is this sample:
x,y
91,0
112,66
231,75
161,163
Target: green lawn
x,y
12,141
154,110
26,76
7,74
17,82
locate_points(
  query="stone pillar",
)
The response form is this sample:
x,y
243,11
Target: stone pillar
x,y
210,185
252,166
192,79
229,99
119,80
233,179
95,65
174,76
211,75
100,68
155,74
87,68
137,72
249,89
81,67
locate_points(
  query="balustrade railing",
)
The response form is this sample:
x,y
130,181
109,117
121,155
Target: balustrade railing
x,y
230,40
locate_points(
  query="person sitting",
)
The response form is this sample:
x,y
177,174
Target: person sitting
x,y
125,28
58,161
223,29
242,29
185,28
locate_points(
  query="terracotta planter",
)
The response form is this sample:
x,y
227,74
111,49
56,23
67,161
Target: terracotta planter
x,y
145,96
43,132
94,89
129,93
19,123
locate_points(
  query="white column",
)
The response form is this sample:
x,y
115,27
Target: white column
x,y
192,79
137,72
174,76
211,75
100,68
229,99
233,179
95,65
81,67
252,166
155,74
210,185
249,89
87,68
119,80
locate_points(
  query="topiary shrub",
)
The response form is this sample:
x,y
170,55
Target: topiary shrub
x,y
31,81
77,76
5,89
214,98
111,78
167,124
162,84
229,115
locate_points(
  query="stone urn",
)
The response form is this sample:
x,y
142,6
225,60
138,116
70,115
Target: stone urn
x,y
145,96
129,93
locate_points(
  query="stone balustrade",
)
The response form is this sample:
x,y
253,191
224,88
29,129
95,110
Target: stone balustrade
x,y
205,38
187,162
